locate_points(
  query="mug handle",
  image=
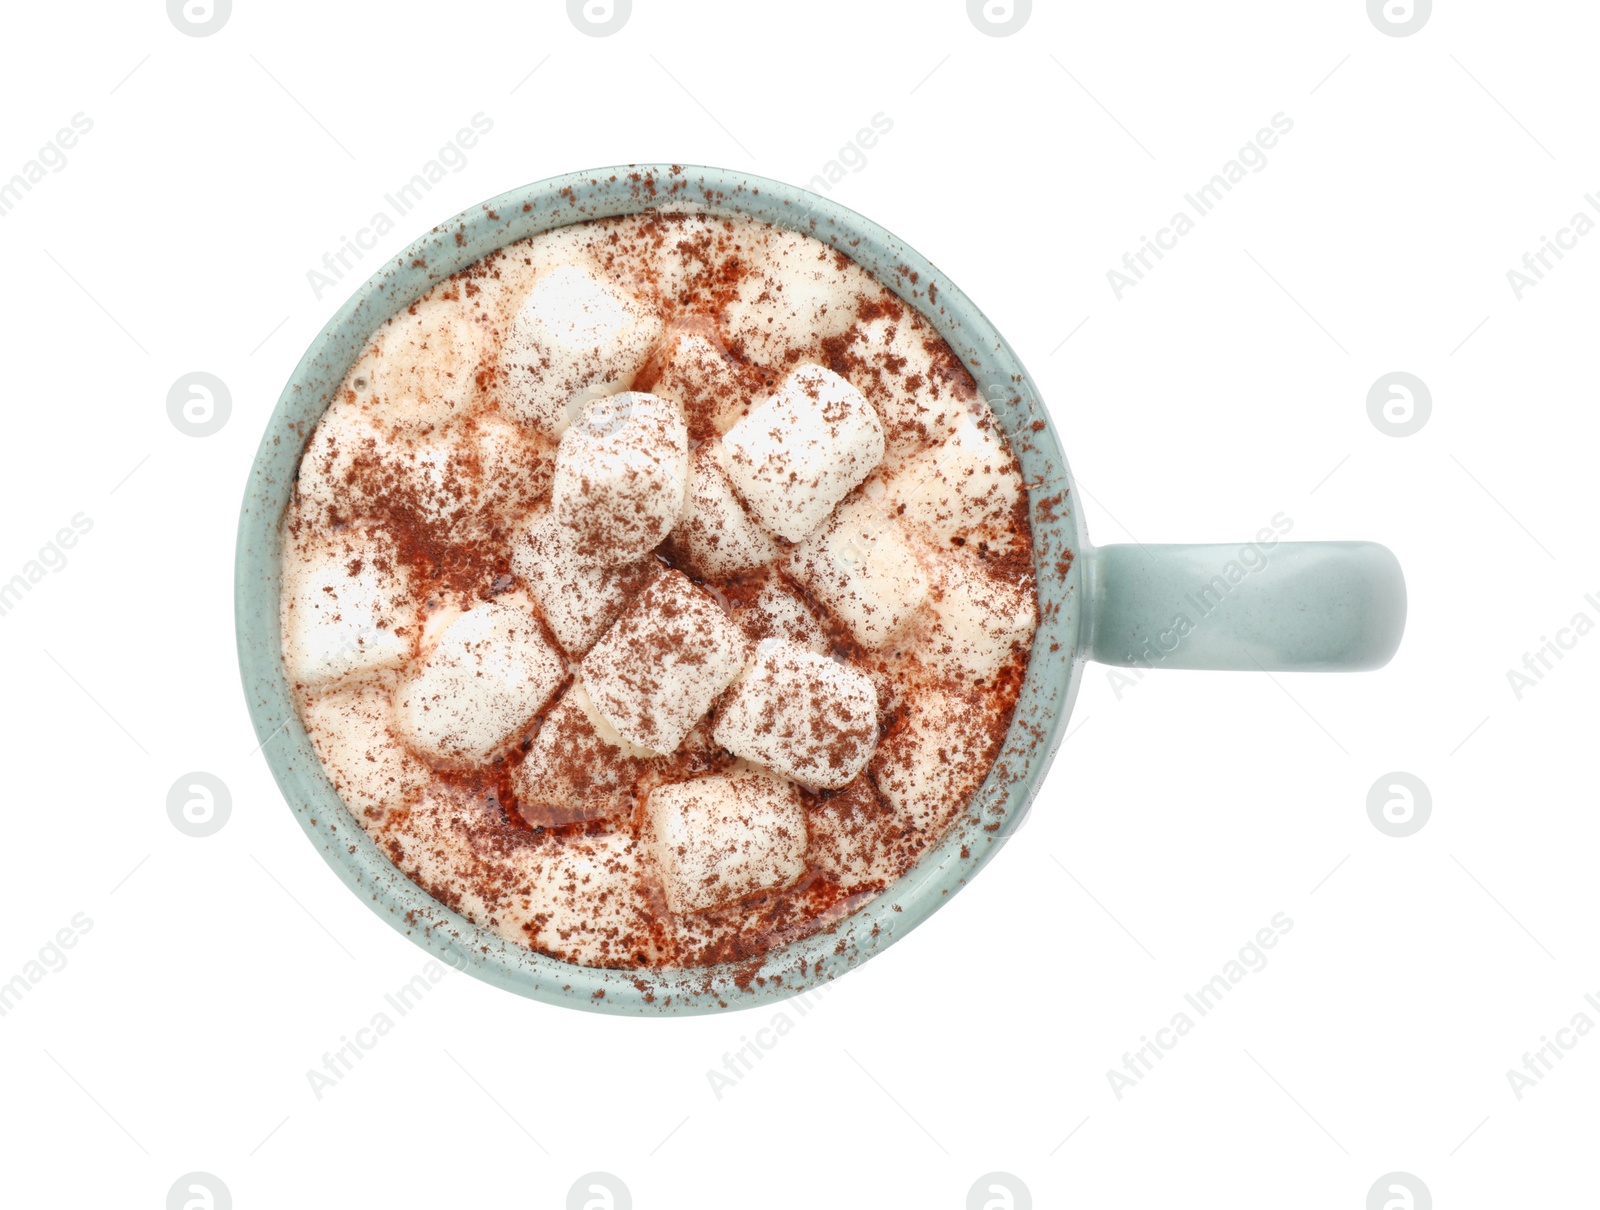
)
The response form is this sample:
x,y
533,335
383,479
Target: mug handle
x,y
1283,607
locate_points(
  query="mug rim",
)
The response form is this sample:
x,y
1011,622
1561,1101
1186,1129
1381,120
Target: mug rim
x,y
988,820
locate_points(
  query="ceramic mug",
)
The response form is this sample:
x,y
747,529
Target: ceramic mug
x,y
1261,604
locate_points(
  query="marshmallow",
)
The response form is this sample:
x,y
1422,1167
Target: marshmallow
x,y
698,376
349,728
346,607
436,478
578,599
663,663
621,471
861,569
795,294
578,898
928,768
906,371
574,338
715,534
466,479
801,451
855,839
801,715
682,251
335,471
491,671
974,622
516,472
424,373
579,767
719,839
777,613
585,902
966,486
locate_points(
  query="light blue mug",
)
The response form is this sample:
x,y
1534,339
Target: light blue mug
x,y
1260,604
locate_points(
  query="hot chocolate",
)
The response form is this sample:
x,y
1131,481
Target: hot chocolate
x,y
657,589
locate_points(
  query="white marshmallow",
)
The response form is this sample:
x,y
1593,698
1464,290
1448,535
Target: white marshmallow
x,y
579,898
348,440
862,570
438,475
699,377
715,533
719,839
585,902
425,371
579,767
349,727
346,607
907,372
665,660
928,768
795,294
967,486
621,471
855,837
468,478
490,673
801,451
574,338
578,599
973,622
517,472
801,715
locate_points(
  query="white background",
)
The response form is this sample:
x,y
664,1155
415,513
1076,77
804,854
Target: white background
x,y
1228,386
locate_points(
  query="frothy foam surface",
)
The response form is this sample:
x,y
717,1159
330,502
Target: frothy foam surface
x,y
657,589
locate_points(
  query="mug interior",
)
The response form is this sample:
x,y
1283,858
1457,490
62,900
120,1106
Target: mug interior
x,y
994,812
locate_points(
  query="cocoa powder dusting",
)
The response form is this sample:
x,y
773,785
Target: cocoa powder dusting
x,y
550,842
